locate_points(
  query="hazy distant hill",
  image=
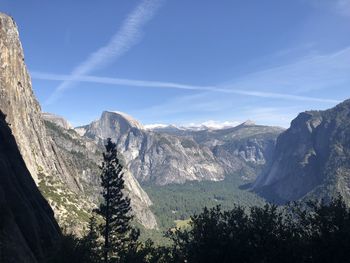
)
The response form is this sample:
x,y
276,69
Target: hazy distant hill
x,y
311,158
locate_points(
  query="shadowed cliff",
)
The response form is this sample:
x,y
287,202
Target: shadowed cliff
x,y
28,230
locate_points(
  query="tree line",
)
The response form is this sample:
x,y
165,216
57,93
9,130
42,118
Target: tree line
x,y
313,231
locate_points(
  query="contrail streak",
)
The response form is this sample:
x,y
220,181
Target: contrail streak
x,y
127,36
172,85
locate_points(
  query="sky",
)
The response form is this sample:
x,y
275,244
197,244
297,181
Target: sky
x,y
186,62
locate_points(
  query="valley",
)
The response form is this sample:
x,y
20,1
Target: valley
x,y
241,151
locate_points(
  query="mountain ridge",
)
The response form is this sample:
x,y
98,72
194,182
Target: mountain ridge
x,y
310,158
176,156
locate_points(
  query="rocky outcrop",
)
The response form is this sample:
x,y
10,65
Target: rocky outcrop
x,y
83,155
28,230
62,182
311,158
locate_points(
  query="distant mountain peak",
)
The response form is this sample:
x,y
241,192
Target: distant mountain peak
x,y
248,123
131,120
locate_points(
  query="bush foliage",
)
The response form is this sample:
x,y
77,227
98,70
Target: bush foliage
x,y
299,232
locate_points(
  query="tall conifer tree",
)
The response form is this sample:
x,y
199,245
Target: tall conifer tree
x,y
115,208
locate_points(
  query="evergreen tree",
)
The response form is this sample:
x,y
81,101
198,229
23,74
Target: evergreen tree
x,y
90,243
115,208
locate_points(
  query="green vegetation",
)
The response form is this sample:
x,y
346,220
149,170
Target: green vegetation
x,y
74,211
182,223
180,201
310,232
57,129
301,232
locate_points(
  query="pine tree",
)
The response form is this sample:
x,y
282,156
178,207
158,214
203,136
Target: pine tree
x,y
89,244
115,208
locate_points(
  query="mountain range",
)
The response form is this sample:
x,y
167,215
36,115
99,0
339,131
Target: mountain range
x,y
173,155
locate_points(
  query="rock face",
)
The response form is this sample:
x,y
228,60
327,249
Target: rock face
x,y
244,148
17,101
174,155
153,157
28,230
83,155
311,158
63,183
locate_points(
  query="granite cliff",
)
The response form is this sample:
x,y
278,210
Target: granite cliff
x,y
28,230
245,148
311,159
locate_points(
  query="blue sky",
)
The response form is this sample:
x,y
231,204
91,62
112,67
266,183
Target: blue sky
x,y
182,62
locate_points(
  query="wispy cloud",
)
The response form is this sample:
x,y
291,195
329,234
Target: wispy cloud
x,y
306,74
157,84
127,36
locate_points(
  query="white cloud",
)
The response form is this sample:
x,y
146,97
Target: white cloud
x,y
155,125
126,37
212,124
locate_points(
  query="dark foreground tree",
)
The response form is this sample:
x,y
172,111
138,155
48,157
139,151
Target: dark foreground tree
x,y
90,243
119,236
302,232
